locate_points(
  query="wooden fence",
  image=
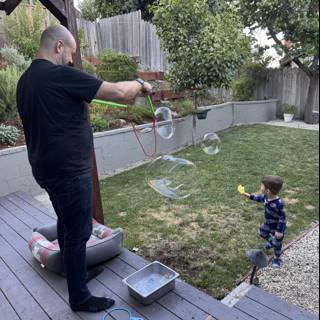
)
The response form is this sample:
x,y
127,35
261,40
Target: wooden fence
x,y
129,33
126,33
288,86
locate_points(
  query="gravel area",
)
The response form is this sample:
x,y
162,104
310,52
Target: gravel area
x,y
298,280
294,124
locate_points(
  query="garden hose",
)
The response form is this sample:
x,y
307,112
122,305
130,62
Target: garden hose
x,y
121,310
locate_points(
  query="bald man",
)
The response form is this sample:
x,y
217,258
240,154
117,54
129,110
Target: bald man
x,y
51,99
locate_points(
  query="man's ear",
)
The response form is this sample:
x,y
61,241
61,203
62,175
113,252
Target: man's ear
x,y
59,46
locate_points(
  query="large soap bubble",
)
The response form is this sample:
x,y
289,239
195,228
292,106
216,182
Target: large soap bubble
x,y
166,128
173,178
211,144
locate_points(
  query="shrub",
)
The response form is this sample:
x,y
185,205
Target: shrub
x,y
116,67
139,113
243,89
183,107
88,67
24,28
9,134
98,122
9,78
289,109
10,56
251,74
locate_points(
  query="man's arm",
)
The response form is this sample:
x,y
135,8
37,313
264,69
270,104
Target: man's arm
x,y
123,92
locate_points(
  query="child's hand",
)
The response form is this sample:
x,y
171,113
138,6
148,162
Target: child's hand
x,y
247,195
279,235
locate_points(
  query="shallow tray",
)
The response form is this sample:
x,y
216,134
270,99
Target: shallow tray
x,y
151,283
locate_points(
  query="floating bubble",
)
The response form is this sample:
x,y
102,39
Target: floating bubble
x,y
172,177
166,128
211,144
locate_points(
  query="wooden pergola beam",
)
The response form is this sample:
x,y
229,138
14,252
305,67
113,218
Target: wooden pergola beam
x,y
10,5
57,8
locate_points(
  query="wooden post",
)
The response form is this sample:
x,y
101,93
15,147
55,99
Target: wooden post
x,y
64,11
71,24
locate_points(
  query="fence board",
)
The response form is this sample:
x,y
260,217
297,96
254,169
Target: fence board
x,y
288,86
126,33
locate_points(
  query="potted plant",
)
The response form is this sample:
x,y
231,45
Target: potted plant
x,y
288,112
201,113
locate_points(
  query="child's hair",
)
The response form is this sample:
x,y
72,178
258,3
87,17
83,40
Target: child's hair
x,y
273,183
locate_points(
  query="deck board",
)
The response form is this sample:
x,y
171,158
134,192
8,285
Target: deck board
x,y
39,215
7,311
276,304
258,310
45,296
25,305
55,281
28,291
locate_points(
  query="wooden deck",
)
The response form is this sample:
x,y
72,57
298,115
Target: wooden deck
x,y
28,292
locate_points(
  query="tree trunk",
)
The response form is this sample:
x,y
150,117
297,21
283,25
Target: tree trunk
x,y
309,116
194,119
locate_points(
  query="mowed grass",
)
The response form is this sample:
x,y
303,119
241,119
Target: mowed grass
x,y
206,236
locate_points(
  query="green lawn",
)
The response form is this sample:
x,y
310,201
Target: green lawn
x,y
205,237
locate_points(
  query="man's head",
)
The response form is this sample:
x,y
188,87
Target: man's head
x,y
271,185
58,44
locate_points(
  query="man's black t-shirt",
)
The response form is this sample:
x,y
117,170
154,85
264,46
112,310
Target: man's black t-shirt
x,y
51,103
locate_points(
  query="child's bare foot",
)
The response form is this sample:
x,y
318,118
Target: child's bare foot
x,y
209,318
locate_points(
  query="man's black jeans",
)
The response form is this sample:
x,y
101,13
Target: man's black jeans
x,y
72,199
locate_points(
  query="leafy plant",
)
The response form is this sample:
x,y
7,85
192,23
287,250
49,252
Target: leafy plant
x,y
289,109
11,56
83,42
24,27
116,67
139,113
98,122
9,134
9,78
88,67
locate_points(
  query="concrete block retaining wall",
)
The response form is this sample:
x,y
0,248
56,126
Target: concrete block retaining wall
x,y
118,149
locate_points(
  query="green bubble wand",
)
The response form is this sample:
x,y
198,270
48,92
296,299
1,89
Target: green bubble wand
x,y
118,105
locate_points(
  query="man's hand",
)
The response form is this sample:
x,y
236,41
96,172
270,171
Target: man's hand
x,y
146,88
279,235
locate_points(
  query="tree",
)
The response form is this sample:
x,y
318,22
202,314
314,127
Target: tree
x,y
94,9
89,10
296,21
204,49
24,27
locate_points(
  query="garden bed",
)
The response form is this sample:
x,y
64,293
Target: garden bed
x,y
205,237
